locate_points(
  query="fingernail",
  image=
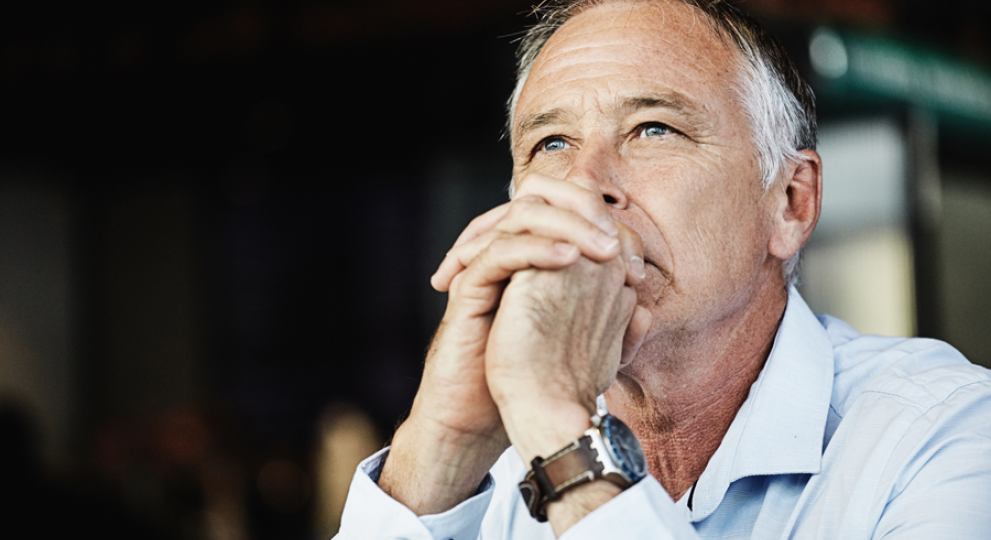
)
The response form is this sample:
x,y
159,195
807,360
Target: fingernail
x,y
608,226
637,268
607,242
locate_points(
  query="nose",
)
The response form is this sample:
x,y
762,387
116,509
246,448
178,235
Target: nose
x,y
597,168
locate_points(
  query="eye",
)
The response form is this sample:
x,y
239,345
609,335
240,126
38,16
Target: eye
x,y
553,144
655,129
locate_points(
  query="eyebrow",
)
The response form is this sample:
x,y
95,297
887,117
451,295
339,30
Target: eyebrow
x,y
675,101
667,100
534,121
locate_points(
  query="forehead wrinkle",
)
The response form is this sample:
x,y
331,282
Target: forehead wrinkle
x,y
622,105
587,44
572,50
697,24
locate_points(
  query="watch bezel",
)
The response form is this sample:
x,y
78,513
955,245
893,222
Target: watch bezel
x,y
613,428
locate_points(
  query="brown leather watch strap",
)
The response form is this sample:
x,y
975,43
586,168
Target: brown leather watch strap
x,y
573,465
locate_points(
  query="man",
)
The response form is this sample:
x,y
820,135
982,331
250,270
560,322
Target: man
x,y
665,179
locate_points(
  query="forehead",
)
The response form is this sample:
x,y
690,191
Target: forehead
x,y
630,47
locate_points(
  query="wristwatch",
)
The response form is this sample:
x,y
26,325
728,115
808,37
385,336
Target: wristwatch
x,y
607,450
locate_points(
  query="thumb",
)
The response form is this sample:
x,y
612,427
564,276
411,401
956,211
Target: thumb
x,y
635,333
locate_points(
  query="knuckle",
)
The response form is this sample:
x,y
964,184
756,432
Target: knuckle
x,y
461,255
514,216
523,206
507,248
496,247
476,222
529,183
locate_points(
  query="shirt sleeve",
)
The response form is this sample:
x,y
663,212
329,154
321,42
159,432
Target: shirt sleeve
x,y
644,511
370,513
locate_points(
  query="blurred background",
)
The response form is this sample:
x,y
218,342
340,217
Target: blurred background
x,y
218,220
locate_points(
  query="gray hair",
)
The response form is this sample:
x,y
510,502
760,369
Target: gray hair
x,y
777,100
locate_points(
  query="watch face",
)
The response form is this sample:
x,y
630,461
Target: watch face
x,y
625,447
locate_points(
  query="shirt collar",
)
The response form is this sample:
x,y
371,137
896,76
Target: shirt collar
x,y
780,427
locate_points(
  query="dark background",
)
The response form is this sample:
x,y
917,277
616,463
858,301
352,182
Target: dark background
x,y
250,199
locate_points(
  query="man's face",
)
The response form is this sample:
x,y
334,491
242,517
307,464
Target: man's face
x,y
638,101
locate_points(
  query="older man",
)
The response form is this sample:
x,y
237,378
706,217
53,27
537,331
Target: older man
x,y
665,179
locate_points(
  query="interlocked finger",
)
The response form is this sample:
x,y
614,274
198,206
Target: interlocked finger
x,y
531,216
462,256
508,254
459,257
570,196
534,217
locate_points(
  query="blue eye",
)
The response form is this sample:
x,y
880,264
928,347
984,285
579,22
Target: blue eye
x,y
552,145
655,130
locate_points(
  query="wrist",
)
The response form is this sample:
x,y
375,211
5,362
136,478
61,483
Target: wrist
x,y
543,428
609,451
431,470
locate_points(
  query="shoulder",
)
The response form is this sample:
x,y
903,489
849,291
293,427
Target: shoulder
x,y
907,438
918,373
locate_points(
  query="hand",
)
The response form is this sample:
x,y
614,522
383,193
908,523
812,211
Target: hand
x,y
540,229
454,433
557,341
547,226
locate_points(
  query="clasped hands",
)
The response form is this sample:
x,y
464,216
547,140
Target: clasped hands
x,y
541,314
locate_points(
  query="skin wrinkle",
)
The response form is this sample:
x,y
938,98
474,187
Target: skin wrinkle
x,y
581,37
636,108
704,328
668,275
677,102
725,41
671,447
697,111
710,284
729,41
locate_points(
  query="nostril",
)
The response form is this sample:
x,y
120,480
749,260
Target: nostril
x,y
609,199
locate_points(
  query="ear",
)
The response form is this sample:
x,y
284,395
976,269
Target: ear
x,y
797,199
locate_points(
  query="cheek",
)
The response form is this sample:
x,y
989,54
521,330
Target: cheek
x,y
718,225
733,244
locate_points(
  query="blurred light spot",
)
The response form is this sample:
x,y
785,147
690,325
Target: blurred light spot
x,y
346,436
224,496
828,54
865,279
283,486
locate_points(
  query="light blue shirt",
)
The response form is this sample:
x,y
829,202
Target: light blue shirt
x,y
843,436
